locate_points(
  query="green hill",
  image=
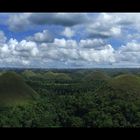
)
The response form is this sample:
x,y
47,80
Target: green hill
x,y
125,87
94,80
31,74
28,73
13,89
126,82
97,75
57,77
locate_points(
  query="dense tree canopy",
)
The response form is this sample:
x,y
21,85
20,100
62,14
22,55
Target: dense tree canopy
x,y
92,99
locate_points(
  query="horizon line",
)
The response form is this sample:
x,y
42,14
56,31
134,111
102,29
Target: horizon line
x,y
70,68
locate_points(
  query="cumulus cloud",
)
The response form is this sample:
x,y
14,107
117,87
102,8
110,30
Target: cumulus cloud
x,y
129,53
99,56
92,43
68,32
92,47
66,51
133,36
3,38
78,53
27,47
132,46
105,26
99,33
18,22
64,19
17,53
44,36
64,43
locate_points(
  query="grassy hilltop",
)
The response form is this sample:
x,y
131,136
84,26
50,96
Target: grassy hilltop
x,y
13,89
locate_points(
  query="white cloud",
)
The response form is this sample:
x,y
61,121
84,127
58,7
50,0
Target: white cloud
x,y
4,51
107,25
64,43
29,53
106,54
99,56
68,32
133,36
3,38
64,19
128,54
92,43
44,36
14,53
100,30
25,62
60,42
92,47
18,22
27,48
115,31
132,46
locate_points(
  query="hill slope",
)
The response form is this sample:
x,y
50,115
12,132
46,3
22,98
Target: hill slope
x,y
126,82
125,87
97,75
13,89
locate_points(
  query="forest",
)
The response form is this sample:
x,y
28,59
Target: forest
x,y
57,98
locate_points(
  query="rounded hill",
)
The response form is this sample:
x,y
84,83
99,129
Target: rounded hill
x,y
13,89
126,82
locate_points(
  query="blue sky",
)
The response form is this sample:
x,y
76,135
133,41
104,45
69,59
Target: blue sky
x,y
69,40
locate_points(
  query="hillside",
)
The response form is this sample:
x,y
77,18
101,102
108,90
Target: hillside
x,y
56,77
124,87
126,82
13,89
70,99
97,75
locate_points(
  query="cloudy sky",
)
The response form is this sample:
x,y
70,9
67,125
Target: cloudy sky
x,y
70,40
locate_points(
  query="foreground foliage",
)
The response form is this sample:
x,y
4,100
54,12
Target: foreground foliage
x,y
77,100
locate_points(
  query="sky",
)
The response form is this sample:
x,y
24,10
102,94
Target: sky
x,y
70,40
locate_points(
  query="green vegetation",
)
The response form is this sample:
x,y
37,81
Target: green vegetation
x,y
13,89
70,98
